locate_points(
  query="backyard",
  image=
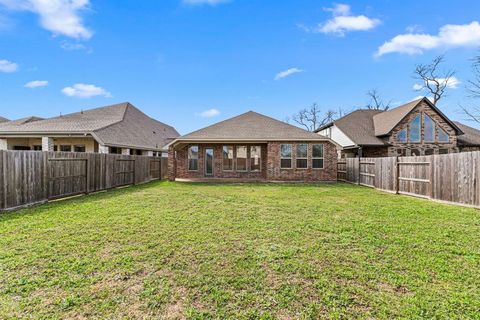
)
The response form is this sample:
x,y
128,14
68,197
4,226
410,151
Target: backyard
x,y
251,251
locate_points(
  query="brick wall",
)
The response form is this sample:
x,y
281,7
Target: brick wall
x,y
178,164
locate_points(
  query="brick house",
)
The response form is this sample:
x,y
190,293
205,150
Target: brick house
x,y
252,146
416,128
119,128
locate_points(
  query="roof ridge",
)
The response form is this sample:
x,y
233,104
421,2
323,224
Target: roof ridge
x,y
116,122
216,123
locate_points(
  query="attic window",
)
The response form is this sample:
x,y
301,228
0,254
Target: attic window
x,y
429,129
402,135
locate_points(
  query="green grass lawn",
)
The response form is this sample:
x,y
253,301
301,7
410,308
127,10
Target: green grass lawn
x,y
241,251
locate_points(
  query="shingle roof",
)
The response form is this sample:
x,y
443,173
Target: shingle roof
x,y
471,136
384,122
116,125
358,126
252,126
2,119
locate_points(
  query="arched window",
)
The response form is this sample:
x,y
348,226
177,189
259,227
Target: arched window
x,y
442,135
415,129
429,129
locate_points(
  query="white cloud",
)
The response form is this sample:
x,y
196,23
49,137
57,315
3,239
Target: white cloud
x,y
449,36
75,46
452,83
343,21
82,90
8,66
202,2
58,16
287,73
210,113
36,84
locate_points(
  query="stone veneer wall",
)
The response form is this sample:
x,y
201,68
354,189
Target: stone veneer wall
x,y
178,164
422,146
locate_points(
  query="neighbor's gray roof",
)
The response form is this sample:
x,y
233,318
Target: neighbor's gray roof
x,y
2,119
471,136
252,126
358,126
116,125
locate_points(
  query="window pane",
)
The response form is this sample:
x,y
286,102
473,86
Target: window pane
x,y
227,158
402,135
442,135
301,150
301,163
317,151
193,158
286,163
286,150
429,152
415,129
415,152
79,148
241,158
255,158
429,130
317,163
66,148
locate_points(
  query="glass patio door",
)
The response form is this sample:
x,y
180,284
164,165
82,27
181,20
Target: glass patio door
x,y
208,161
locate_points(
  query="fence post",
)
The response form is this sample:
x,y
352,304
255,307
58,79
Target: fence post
x,y
432,173
397,176
359,167
4,182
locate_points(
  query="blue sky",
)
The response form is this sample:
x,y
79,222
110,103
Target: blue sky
x,y
191,63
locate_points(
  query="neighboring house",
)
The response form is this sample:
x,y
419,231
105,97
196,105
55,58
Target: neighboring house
x,y
416,128
2,120
253,146
119,128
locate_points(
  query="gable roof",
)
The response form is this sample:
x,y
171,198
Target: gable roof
x,y
120,125
2,119
252,126
471,136
385,122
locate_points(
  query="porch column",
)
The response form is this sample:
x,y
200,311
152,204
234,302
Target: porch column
x,y
172,164
3,144
126,151
47,144
102,148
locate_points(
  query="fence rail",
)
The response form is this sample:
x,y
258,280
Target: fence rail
x,y
29,177
451,178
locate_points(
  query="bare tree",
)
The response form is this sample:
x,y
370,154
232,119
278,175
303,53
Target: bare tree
x,y
376,102
433,79
313,117
473,87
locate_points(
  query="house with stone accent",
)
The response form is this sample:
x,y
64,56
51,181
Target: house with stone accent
x,y
119,128
252,146
413,129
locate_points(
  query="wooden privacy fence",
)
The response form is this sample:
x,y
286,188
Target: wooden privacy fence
x,y
451,177
29,177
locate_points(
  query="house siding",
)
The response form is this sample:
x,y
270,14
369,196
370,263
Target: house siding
x,y
178,164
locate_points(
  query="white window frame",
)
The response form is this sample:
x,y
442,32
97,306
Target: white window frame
x,y
289,158
188,157
301,158
223,159
318,158
246,158
259,148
